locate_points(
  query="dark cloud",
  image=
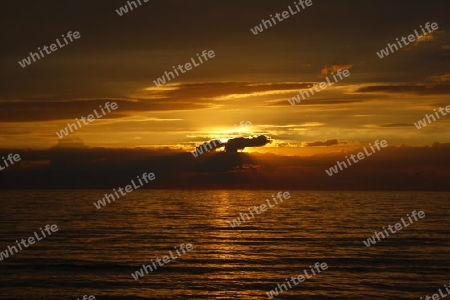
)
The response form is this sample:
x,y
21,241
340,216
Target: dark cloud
x,y
321,144
184,96
233,145
31,111
419,168
417,89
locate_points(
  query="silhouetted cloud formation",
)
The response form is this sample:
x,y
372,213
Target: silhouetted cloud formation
x,y
326,143
418,168
233,145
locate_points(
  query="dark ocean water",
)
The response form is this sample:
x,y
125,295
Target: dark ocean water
x,y
96,250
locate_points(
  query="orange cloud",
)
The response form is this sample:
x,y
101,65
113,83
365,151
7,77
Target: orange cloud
x,y
334,68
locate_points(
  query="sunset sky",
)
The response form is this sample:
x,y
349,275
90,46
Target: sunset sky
x,y
220,158
251,77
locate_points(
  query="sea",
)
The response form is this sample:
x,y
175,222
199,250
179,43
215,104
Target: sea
x,y
95,251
